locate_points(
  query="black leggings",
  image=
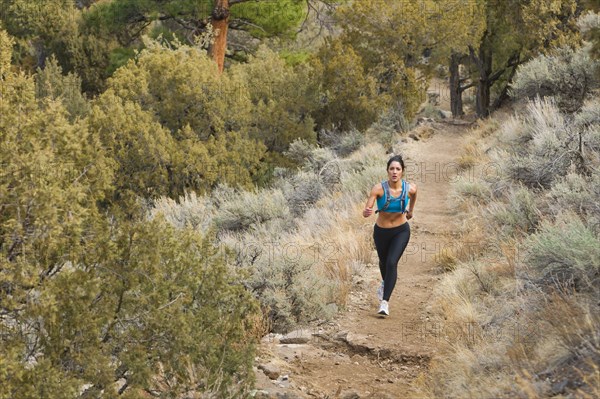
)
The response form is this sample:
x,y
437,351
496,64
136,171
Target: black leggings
x,y
390,243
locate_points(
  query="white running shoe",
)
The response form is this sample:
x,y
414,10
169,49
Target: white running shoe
x,y
384,309
380,292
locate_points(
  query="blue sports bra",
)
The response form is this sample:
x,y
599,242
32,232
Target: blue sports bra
x,y
387,203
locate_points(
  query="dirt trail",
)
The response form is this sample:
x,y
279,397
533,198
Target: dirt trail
x,y
362,354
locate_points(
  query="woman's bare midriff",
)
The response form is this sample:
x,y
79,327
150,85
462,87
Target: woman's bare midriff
x,y
388,220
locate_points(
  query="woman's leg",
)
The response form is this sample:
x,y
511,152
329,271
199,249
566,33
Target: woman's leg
x,y
382,237
396,246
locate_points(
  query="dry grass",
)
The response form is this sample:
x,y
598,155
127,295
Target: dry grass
x,y
473,240
260,325
423,132
447,261
472,155
347,244
591,380
485,127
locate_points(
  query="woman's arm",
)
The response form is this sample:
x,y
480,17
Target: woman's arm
x,y
412,194
368,211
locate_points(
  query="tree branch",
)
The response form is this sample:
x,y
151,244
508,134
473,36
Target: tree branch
x,y
512,62
234,2
115,318
311,7
463,88
243,22
124,387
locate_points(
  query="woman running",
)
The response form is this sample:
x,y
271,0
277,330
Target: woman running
x,y
395,204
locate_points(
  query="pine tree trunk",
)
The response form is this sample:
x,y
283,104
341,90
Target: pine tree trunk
x,y
456,104
220,22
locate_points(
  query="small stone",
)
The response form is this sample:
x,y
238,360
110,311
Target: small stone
x,y
359,342
296,337
261,394
270,369
390,381
271,338
341,336
288,395
445,114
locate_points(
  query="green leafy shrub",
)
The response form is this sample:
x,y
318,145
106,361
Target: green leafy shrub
x,y
182,88
56,28
587,123
344,143
579,194
50,83
53,174
465,188
191,211
542,144
247,209
144,151
317,160
291,291
388,125
309,156
350,96
159,312
200,118
303,191
566,74
282,98
553,147
6,49
284,274
93,303
517,215
562,254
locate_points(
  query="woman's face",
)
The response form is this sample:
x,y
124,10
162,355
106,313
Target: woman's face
x,y
395,171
